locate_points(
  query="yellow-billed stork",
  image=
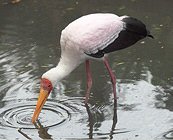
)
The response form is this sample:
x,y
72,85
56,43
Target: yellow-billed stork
x,y
92,36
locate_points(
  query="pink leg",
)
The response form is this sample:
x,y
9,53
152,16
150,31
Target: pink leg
x,y
89,80
113,80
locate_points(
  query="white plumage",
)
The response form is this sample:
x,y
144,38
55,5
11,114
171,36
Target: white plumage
x,y
92,32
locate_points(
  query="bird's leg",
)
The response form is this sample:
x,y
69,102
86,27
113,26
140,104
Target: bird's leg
x,y
89,80
113,79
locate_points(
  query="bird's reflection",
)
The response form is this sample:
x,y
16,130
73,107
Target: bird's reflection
x,y
91,121
24,134
114,119
42,131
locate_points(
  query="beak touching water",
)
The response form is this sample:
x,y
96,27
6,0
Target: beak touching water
x,y
45,89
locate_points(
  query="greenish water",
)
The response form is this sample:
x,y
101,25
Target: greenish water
x,y
29,46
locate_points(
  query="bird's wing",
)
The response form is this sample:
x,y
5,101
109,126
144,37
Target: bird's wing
x,y
98,34
101,36
92,33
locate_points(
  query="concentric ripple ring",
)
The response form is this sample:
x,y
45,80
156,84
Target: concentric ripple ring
x,y
18,115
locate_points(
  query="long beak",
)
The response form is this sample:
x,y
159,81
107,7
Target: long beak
x,y
41,100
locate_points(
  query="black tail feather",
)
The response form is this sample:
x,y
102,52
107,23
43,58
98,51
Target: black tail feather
x,y
134,30
136,26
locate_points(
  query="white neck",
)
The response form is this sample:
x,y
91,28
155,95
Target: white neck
x,y
64,68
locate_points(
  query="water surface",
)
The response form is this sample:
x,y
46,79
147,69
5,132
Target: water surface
x,y
29,46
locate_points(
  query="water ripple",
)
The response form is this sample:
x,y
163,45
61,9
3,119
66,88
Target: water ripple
x,y
18,115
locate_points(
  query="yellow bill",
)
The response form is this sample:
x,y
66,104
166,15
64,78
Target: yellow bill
x,y
41,101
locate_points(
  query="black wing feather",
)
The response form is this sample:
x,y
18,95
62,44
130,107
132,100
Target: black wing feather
x,y
133,31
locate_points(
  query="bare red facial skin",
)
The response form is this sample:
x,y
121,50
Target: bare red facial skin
x,y
46,84
45,89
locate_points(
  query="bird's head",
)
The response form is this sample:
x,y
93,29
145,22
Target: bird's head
x,y
48,81
45,89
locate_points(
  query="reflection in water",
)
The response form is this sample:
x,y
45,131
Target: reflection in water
x,y
92,121
114,120
25,135
42,131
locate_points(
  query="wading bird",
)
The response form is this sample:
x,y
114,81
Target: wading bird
x,y
92,36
